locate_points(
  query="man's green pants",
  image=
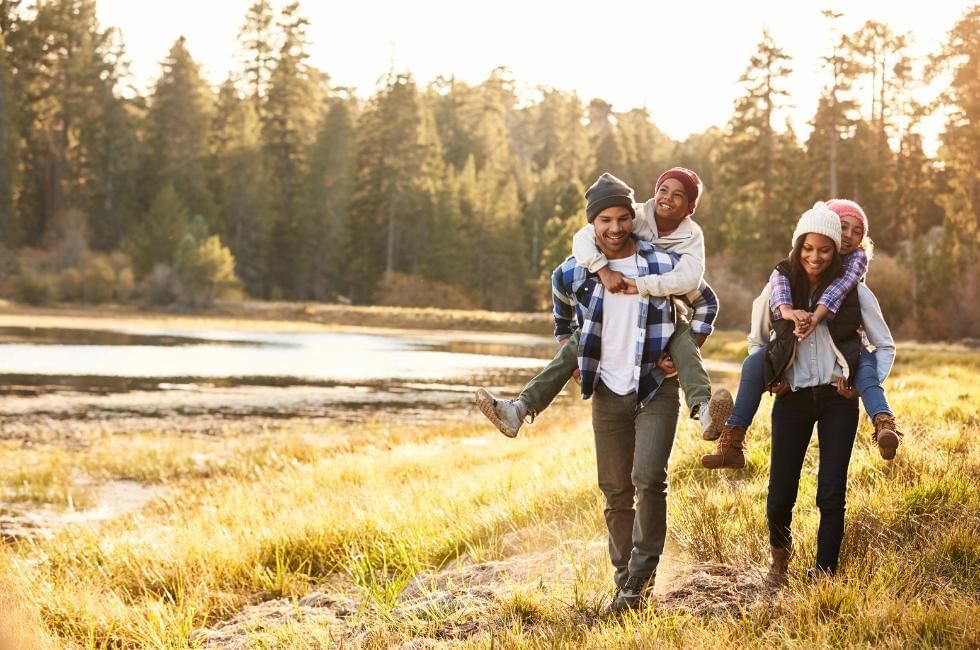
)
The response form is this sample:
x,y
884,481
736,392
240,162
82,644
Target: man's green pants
x,y
541,391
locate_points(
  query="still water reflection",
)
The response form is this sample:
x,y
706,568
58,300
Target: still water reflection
x,y
276,357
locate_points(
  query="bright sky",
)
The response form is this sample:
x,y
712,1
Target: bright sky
x,y
681,60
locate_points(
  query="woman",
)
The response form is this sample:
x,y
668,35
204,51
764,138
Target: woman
x,y
814,387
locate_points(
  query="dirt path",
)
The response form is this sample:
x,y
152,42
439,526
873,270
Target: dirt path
x,y
462,602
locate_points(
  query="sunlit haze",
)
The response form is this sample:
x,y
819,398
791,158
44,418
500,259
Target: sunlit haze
x,y
680,60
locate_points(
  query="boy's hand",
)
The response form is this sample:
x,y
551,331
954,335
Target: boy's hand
x,y
613,281
631,287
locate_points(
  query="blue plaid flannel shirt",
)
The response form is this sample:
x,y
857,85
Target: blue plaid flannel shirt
x,y
578,295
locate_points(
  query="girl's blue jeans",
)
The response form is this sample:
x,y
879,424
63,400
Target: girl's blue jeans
x,y
751,386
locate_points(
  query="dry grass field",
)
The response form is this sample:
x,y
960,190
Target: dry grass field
x,y
387,533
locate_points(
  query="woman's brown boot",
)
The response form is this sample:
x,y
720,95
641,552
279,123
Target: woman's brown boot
x,y
779,568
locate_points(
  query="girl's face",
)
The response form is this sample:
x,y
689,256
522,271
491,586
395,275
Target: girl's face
x,y
851,234
816,254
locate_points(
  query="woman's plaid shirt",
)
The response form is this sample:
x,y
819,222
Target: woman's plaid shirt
x,y
578,296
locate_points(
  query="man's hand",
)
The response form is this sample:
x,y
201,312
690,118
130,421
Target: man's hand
x,y
845,391
779,387
666,364
613,281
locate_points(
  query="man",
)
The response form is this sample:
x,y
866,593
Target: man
x,y
666,222
634,407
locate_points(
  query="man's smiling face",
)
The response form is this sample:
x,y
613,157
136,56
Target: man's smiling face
x,y
613,227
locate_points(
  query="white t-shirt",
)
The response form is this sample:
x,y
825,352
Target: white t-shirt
x,y
620,332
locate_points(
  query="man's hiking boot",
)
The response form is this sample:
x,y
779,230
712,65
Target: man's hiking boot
x,y
886,435
728,454
504,413
631,595
779,567
714,413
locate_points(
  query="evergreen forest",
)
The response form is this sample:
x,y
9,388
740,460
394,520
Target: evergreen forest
x,y
279,185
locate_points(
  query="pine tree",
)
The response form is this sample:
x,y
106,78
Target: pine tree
x,y
242,187
758,216
256,38
288,129
961,139
397,164
9,116
156,237
178,124
326,198
65,72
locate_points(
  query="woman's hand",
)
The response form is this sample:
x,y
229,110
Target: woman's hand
x,y
779,387
803,322
845,391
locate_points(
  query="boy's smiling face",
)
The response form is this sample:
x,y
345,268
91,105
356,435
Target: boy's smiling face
x,y
670,202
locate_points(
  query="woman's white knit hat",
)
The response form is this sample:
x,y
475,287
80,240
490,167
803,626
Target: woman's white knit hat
x,y
821,220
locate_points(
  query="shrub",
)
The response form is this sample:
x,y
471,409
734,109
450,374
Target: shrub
x,y
891,283
70,284
160,286
33,288
99,279
735,292
205,269
401,290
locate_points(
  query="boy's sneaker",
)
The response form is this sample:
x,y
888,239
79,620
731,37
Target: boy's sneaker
x,y
714,413
886,435
504,413
631,596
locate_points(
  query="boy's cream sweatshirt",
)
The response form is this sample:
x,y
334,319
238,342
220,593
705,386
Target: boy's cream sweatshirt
x,y
687,241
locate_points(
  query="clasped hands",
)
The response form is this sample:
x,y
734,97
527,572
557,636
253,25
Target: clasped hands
x,y
616,282
804,322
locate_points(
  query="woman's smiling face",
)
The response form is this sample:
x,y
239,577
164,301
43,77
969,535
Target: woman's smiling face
x,y
816,254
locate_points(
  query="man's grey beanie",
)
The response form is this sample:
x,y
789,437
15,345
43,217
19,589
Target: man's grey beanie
x,y
606,192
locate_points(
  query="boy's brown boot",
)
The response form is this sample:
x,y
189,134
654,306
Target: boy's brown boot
x,y
779,568
886,435
728,454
